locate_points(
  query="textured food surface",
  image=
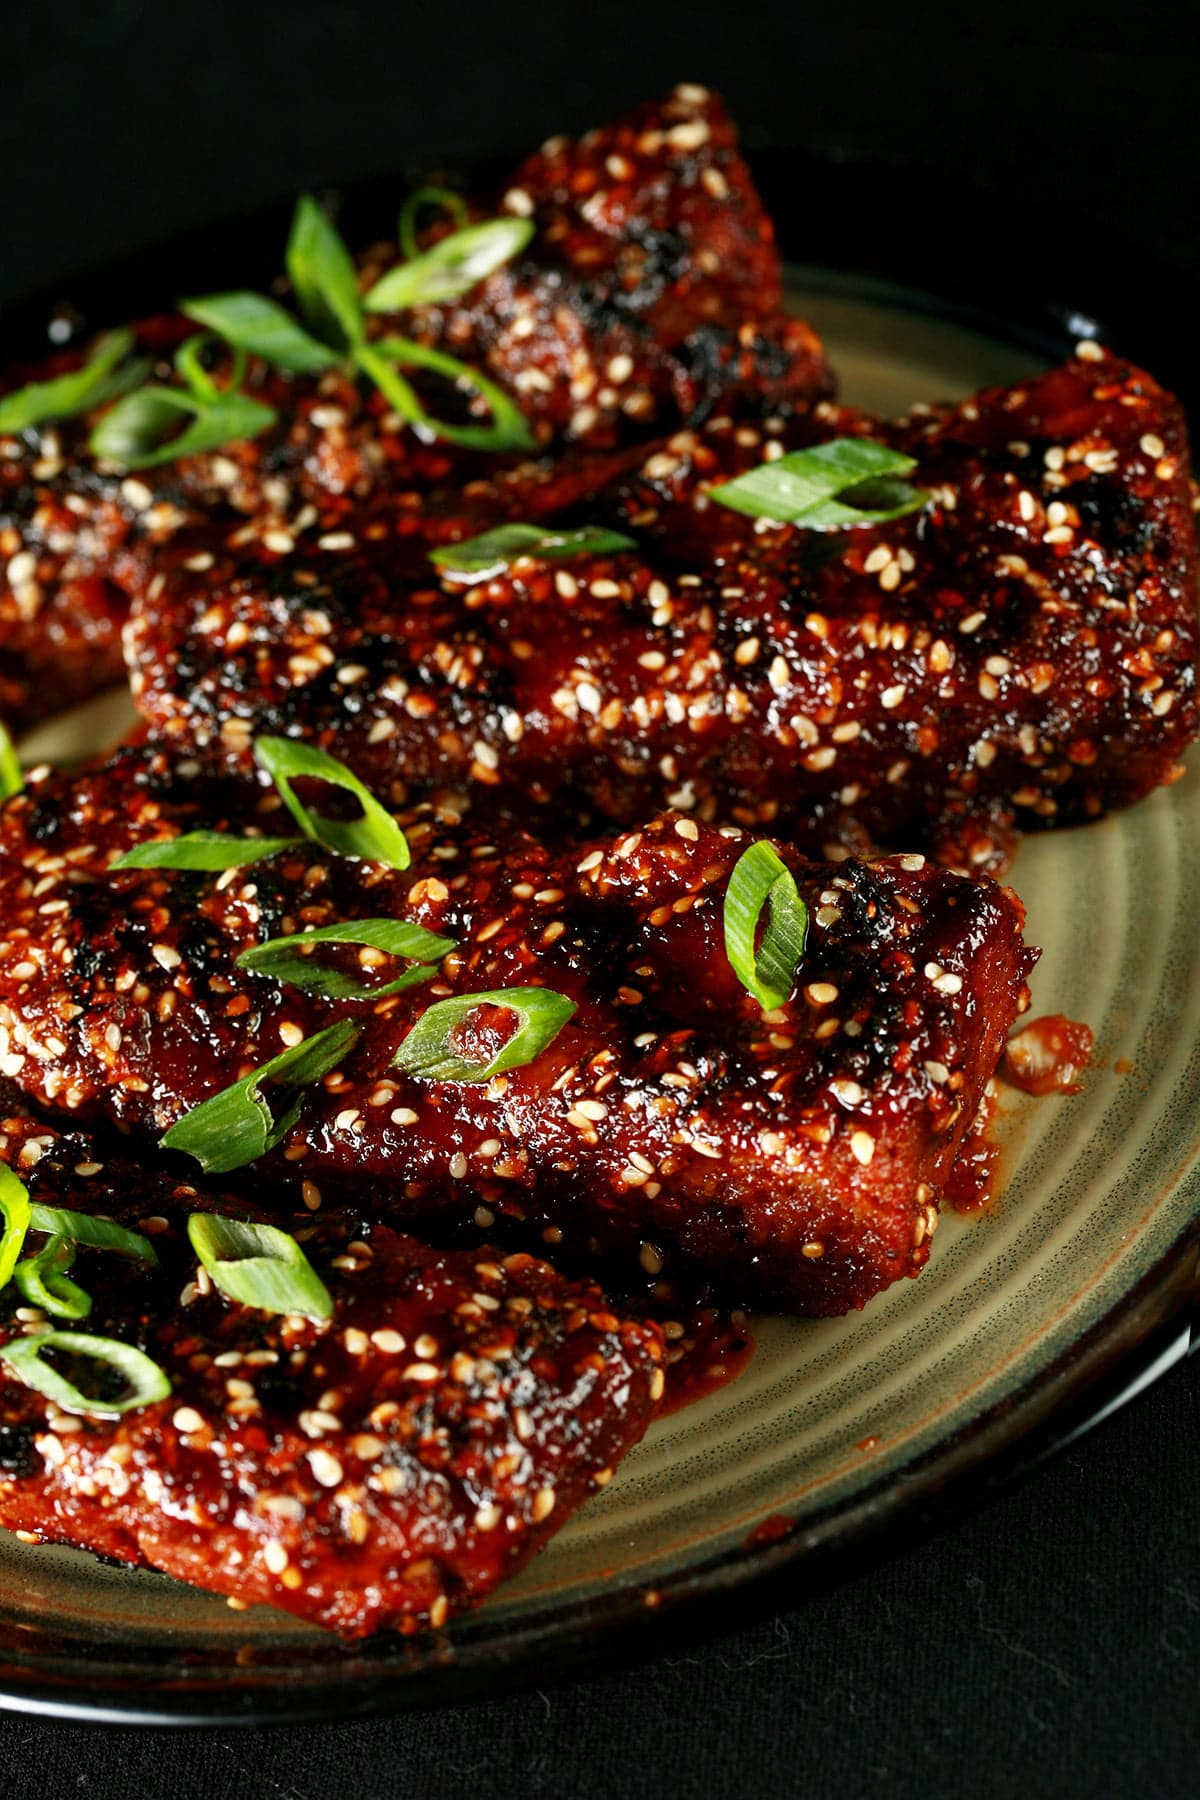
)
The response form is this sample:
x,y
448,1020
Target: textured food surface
x,y
796,1155
1018,654
384,1468
650,295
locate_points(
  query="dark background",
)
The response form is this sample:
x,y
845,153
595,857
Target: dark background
x,y
1050,1645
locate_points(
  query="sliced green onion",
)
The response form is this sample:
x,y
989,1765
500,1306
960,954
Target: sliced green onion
x,y
446,198
12,781
43,1281
94,1232
67,395
492,551
429,1052
760,878
15,1211
202,850
829,487
375,837
145,1381
253,322
141,431
382,359
289,958
195,374
451,266
259,1265
237,1126
323,275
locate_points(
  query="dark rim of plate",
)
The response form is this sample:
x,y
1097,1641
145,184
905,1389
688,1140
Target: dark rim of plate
x,y
971,258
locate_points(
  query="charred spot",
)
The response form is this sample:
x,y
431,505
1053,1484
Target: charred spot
x,y
867,905
18,1453
1111,512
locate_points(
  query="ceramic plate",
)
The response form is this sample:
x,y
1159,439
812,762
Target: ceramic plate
x,y
837,1427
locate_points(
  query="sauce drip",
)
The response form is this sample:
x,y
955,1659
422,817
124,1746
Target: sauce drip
x,y
1048,1055
711,1351
968,1186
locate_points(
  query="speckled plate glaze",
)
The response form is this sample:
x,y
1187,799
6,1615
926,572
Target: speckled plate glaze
x,y
1085,1263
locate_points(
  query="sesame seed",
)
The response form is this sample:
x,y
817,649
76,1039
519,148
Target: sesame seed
x,y
862,1147
422,1371
275,1556
325,1467
187,1419
390,1342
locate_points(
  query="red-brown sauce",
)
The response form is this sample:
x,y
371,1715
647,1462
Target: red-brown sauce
x,y
769,1531
710,1350
968,1186
1048,1055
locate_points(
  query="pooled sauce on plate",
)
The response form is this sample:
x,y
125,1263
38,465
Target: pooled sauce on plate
x,y
1048,1055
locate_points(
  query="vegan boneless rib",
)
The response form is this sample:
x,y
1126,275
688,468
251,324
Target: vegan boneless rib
x,y
1019,653
797,1155
384,1467
650,294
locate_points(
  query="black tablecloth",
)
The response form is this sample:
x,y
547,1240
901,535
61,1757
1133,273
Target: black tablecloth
x,y
1047,1647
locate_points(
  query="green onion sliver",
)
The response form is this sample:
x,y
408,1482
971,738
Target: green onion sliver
x,y
202,850
759,879
429,1051
383,358
829,487
491,551
11,779
291,959
143,431
451,266
410,212
254,323
67,395
15,1211
144,1380
258,1265
237,1126
94,1232
323,275
375,837
43,1281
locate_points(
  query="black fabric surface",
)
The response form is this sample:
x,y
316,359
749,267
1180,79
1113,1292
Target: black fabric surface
x,y
1046,1648
1050,1645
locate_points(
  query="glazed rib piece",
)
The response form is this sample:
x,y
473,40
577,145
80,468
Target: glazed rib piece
x,y
794,1157
1021,653
623,318
385,1469
653,290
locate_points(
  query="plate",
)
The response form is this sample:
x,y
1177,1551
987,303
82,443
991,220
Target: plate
x,y
1029,1317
